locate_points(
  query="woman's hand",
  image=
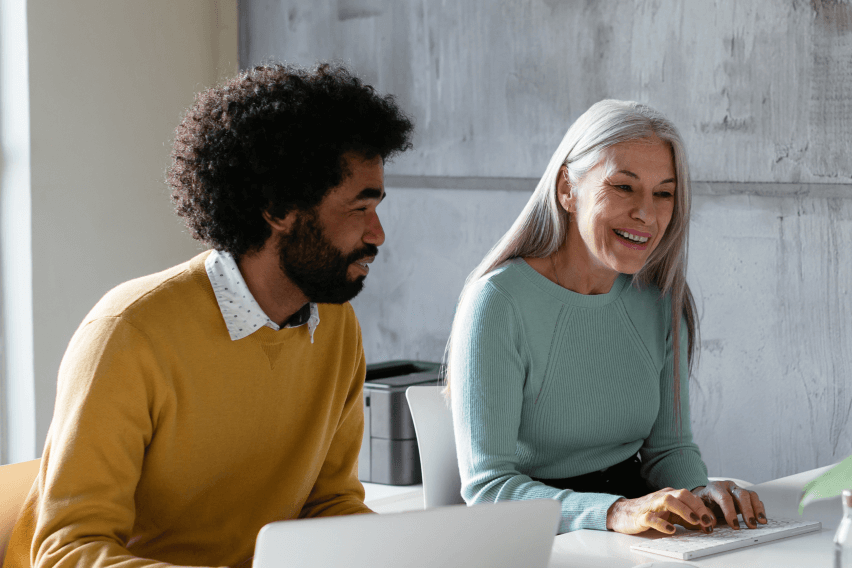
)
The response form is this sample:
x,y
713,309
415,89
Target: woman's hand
x,y
655,510
726,499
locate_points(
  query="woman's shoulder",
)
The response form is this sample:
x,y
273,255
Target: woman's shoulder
x,y
506,280
647,305
488,287
492,312
504,291
645,292
506,271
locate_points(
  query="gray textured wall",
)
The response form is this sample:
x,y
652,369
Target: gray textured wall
x,y
762,93
762,89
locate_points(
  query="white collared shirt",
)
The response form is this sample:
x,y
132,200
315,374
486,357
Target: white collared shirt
x,y
241,312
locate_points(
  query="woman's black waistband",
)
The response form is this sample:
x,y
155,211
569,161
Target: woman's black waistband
x,y
621,479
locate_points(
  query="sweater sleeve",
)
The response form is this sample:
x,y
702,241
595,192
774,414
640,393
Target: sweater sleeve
x,y
82,510
669,458
337,490
489,362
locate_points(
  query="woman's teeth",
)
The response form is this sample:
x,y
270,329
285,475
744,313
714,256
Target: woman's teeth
x,y
634,238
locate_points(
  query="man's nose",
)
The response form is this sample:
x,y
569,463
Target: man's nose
x,y
375,234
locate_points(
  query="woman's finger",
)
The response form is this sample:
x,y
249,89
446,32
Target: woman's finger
x,y
742,497
722,497
653,521
706,517
678,520
676,507
757,506
671,501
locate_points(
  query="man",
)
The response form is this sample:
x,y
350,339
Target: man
x,y
198,404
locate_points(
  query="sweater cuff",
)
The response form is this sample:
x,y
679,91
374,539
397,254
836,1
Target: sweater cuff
x,y
586,511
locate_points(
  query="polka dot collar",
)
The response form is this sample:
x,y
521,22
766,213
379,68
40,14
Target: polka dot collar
x,y
241,312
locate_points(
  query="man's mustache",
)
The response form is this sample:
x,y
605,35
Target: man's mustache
x,y
365,252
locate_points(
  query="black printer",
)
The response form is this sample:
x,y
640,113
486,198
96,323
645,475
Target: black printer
x,y
389,453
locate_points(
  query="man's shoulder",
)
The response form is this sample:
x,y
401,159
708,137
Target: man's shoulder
x,y
340,317
166,290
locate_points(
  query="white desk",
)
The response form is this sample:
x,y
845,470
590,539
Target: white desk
x,y
593,549
606,549
393,498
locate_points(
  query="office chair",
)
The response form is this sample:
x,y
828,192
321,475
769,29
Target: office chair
x,y
15,482
433,424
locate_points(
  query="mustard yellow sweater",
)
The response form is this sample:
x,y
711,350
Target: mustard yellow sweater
x,y
171,444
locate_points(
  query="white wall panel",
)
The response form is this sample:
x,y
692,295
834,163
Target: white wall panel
x,y
109,82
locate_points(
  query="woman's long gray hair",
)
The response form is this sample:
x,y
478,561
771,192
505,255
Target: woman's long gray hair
x,y
542,226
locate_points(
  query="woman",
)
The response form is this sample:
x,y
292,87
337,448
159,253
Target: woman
x,y
573,341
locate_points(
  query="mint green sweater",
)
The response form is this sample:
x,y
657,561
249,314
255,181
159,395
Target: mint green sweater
x,y
549,383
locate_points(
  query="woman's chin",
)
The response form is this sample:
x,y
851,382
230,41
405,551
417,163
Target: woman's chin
x,y
628,266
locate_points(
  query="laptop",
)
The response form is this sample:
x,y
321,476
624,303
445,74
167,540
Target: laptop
x,y
502,535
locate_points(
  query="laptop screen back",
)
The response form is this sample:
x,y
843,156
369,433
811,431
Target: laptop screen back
x,y
504,535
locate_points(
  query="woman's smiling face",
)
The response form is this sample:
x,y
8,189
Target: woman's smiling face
x,y
620,210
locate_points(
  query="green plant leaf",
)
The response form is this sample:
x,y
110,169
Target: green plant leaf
x,y
829,484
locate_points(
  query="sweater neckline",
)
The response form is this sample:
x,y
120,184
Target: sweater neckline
x,y
570,297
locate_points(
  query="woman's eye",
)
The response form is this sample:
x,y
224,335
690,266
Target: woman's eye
x,y
624,187
664,194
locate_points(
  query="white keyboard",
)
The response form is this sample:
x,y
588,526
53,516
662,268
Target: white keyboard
x,y
695,544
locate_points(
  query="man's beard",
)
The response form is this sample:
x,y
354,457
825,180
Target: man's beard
x,y
316,266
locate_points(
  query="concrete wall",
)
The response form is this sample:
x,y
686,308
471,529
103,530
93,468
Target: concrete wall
x,y
762,93
760,89
108,83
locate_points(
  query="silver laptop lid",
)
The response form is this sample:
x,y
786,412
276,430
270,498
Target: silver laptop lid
x,y
503,535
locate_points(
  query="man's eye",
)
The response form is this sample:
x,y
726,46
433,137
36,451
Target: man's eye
x,y
624,187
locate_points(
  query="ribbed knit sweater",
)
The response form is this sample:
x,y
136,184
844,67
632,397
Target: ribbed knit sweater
x,y
171,444
551,384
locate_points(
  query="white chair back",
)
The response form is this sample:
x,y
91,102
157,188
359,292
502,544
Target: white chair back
x,y
433,424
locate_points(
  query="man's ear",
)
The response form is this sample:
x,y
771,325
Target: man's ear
x,y
280,224
565,194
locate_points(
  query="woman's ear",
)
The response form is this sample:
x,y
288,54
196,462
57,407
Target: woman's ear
x,y
565,194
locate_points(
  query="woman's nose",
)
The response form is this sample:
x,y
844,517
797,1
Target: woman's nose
x,y
643,207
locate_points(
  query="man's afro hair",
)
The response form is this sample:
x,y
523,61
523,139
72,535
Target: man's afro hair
x,y
273,139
